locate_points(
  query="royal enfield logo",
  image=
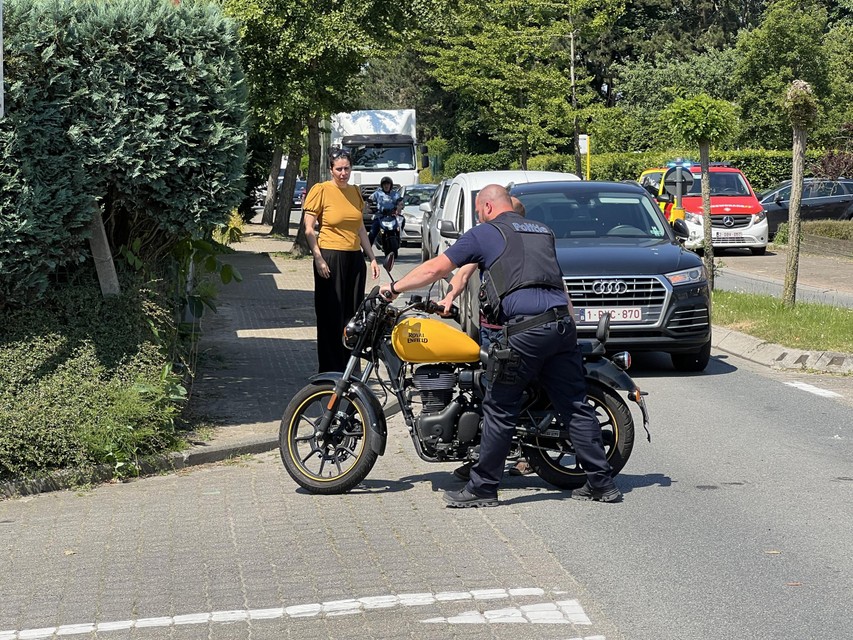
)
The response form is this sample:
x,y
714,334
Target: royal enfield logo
x,y
728,221
610,287
416,337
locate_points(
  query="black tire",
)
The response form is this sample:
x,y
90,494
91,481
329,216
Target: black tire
x,y
424,253
758,251
692,362
336,463
555,461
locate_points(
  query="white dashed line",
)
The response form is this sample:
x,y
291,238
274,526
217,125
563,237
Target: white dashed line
x,y
562,612
803,386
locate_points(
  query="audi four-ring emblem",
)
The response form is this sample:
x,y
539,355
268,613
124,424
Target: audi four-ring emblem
x,y
613,287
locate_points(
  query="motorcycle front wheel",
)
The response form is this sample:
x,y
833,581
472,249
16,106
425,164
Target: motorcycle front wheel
x,y
554,460
334,462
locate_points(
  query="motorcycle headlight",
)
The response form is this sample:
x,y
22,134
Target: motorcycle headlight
x,y
350,336
760,217
687,276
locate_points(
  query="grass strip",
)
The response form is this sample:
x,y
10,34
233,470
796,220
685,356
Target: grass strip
x,y
807,326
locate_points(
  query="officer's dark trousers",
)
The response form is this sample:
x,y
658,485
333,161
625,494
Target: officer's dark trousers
x,y
554,359
335,300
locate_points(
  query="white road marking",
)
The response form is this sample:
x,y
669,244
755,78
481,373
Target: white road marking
x,y
804,386
562,612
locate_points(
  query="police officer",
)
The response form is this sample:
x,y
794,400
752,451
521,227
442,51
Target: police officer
x,y
522,289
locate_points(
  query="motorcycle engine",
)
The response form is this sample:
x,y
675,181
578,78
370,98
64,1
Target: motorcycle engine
x,y
435,383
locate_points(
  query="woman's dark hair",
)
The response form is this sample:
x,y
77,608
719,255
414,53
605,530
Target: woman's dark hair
x,y
338,153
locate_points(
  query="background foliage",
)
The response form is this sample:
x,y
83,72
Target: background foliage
x,y
130,108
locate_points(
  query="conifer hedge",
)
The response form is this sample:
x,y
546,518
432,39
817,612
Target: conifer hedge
x,y
131,108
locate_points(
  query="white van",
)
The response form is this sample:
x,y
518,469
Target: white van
x,y
458,216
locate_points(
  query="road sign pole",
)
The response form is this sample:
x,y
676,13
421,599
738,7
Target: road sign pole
x,y
588,152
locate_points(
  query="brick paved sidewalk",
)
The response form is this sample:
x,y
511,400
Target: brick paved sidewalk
x,y
258,349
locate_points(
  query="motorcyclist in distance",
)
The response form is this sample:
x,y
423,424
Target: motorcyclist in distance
x,y
386,200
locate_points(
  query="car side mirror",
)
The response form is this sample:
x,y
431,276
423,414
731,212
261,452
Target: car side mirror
x,y
679,227
664,197
447,229
425,207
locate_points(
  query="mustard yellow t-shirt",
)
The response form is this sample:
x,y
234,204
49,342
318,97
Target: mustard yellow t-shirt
x,y
339,213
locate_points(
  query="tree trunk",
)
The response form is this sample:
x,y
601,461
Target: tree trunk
x,y
575,127
281,225
272,186
104,265
792,266
707,236
300,245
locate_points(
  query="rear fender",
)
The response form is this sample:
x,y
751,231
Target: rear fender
x,y
603,371
375,414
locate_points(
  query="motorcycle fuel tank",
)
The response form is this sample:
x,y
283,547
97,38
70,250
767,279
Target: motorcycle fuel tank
x,y
423,340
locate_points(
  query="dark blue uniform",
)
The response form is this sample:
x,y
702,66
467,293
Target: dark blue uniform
x,y
548,352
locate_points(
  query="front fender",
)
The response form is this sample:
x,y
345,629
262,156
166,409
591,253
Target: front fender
x,y
375,414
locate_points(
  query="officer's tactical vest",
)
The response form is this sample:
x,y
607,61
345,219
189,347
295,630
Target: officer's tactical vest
x,y
529,259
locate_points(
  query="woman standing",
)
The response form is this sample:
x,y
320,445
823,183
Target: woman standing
x,y
338,249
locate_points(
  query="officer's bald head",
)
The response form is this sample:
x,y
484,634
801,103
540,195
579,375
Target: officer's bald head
x,y
492,200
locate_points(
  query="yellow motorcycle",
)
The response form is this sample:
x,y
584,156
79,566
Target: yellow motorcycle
x,y
334,429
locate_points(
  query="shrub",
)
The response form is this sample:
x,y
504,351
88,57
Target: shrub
x,y
85,380
131,109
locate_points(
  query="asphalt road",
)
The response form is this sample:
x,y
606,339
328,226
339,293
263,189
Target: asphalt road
x,y
735,524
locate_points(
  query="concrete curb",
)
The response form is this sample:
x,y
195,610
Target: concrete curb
x,y
776,356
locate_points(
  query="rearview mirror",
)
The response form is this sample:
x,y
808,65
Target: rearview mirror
x,y
447,229
680,229
602,332
664,197
425,207
389,263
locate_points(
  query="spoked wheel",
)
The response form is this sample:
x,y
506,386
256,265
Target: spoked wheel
x,y
554,460
336,461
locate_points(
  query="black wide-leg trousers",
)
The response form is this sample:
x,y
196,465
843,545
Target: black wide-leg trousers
x,y
335,300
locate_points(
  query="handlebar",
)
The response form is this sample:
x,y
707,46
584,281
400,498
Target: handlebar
x,y
375,300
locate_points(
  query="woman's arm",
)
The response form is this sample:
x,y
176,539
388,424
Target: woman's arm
x,y
309,220
368,251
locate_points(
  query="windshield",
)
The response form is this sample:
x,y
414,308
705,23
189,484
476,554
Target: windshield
x,y
722,184
579,213
378,157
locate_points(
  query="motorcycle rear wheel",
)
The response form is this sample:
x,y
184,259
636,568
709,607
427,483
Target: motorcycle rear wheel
x,y
337,461
554,460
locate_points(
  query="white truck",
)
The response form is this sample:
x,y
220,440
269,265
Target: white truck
x,y
383,142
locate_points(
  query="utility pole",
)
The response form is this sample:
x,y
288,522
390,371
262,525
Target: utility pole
x,y
574,102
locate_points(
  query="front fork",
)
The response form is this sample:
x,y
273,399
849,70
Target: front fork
x,y
341,387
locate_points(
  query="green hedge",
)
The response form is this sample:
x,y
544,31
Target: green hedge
x,y
131,108
84,380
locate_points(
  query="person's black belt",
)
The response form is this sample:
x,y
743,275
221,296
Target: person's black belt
x,y
554,313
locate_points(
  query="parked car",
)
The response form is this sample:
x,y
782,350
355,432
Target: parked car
x,y
413,196
299,192
431,210
619,256
458,215
822,200
738,219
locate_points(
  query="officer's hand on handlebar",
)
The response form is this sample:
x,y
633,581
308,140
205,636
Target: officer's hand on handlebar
x,y
385,292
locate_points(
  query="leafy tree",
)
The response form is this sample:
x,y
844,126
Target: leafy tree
x,y
801,108
703,120
837,106
512,59
787,45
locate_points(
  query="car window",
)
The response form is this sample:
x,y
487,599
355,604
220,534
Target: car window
x,y
651,182
823,189
590,214
722,184
784,193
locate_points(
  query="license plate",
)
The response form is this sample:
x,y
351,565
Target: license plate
x,y
620,314
727,234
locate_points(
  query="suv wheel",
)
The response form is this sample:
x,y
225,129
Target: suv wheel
x,y
694,362
758,251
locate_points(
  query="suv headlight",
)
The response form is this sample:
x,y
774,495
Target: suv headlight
x,y
693,218
687,276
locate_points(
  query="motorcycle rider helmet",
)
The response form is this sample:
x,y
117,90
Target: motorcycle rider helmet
x,y
384,181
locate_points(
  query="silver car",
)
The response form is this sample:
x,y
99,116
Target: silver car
x,y
414,195
431,215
